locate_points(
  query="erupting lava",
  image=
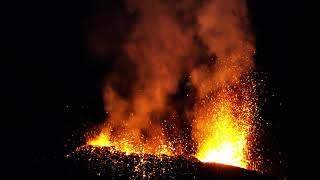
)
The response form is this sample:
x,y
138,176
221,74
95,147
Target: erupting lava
x,y
129,147
223,125
224,142
158,56
221,128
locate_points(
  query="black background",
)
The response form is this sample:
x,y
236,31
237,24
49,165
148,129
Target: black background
x,y
54,83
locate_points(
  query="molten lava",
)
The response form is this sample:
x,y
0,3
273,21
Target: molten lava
x,y
211,44
101,141
224,142
221,129
223,125
156,147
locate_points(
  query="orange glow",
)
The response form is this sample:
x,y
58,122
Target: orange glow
x,y
222,127
223,142
138,92
156,147
102,140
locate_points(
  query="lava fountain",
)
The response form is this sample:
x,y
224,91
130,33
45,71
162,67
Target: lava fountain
x,y
161,54
223,125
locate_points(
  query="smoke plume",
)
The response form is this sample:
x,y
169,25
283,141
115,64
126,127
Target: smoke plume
x,y
207,41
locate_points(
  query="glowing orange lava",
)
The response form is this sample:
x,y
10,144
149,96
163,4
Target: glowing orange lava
x,y
144,89
129,146
222,127
102,141
223,142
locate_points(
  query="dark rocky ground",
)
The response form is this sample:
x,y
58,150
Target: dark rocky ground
x,y
105,163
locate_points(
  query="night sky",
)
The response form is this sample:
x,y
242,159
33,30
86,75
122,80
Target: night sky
x,y
55,82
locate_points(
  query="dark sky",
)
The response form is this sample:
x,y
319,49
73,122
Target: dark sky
x,y
48,68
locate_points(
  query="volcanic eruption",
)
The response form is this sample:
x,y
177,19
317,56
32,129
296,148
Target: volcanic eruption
x,y
182,84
